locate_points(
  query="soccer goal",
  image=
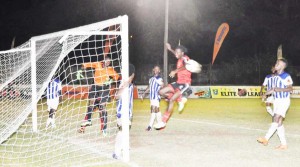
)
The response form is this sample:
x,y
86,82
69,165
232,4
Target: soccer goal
x,y
25,74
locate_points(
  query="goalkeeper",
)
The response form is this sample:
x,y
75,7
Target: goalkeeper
x,y
103,77
118,143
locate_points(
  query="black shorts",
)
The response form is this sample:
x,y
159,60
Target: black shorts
x,y
101,92
185,89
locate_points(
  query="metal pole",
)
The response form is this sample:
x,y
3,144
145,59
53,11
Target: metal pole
x,y
33,86
165,41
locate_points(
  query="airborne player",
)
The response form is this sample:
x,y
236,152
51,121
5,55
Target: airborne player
x,y
180,89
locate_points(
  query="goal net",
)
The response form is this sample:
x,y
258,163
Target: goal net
x,y
31,133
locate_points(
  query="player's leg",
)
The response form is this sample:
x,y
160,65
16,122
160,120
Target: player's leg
x,y
152,117
269,102
281,134
88,116
50,117
186,91
118,143
92,98
158,115
102,107
168,91
272,129
52,107
269,109
93,94
281,130
103,118
168,113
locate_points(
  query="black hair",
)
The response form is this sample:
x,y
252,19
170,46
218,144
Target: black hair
x,y
182,48
285,61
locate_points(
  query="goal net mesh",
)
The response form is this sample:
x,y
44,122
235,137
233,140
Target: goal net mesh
x,y
59,55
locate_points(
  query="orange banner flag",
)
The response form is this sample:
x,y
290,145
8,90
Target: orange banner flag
x,y
220,36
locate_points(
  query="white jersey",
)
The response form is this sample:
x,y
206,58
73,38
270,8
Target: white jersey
x,y
282,81
54,89
269,81
155,84
119,106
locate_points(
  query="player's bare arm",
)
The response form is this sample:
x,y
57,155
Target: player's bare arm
x,y
123,85
289,88
170,48
173,73
261,89
145,92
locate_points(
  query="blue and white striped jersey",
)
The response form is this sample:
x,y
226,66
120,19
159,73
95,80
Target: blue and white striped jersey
x,y
282,81
119,105
155,83
54,89
269,81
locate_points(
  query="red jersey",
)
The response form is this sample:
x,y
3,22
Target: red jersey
x,y
183,76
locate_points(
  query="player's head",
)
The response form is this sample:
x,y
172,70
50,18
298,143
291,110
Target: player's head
x,y
179,51
273,70
156,70
281,64
107,61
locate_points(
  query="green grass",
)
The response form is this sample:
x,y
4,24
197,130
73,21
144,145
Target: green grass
x,y
209,132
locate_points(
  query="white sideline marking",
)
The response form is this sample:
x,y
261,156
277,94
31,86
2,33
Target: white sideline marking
x,y
224,125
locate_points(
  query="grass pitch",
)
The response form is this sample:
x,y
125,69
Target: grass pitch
x,y
214,132
209,132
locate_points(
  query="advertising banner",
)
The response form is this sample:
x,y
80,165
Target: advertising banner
x,y
296,92
235,91
198,91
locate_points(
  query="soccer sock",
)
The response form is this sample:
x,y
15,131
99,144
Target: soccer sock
x,y
166,116
158,117
271,130
53,120
49,120
104,116
281,135
152,118
89,113
179,98
51,112
118,144
270,111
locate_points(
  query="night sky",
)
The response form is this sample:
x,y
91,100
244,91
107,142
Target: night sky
x,y
257,27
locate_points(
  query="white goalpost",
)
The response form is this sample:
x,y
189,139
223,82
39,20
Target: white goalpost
x,y
26,72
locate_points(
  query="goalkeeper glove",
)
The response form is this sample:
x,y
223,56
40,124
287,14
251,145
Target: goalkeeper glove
x,y
108,81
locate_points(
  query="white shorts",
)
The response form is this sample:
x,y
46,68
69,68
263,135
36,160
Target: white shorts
x,y
154,103
52,103
270,99
280,106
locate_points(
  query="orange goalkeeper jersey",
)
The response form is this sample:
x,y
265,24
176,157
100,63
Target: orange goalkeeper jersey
x,y
102,74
